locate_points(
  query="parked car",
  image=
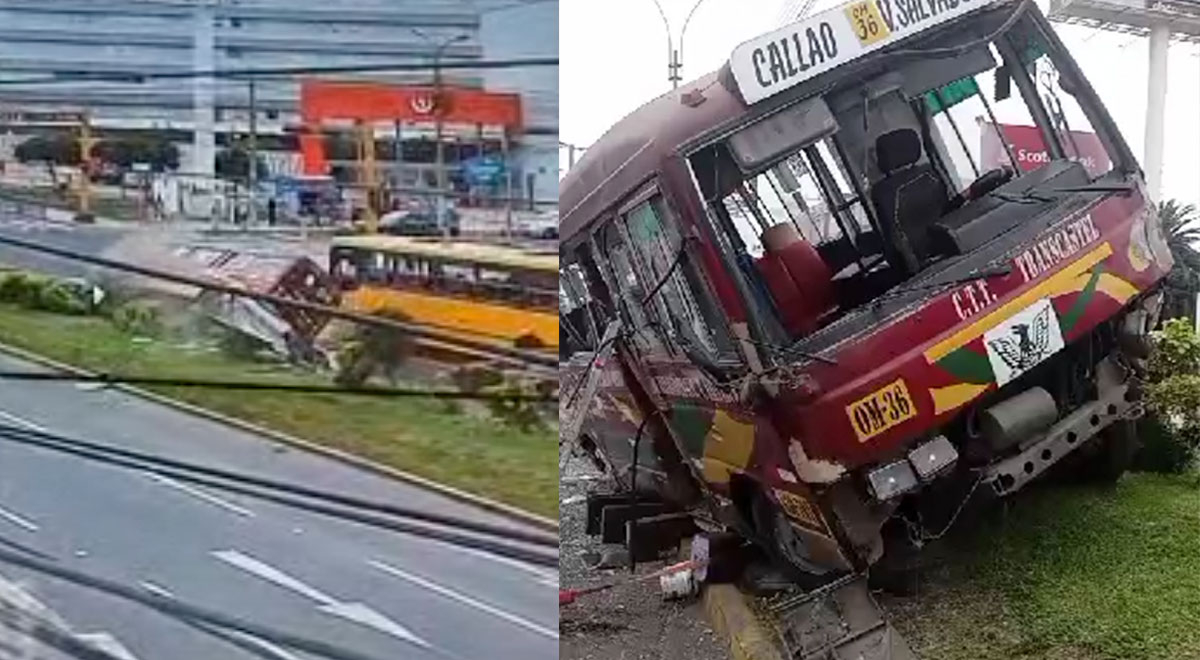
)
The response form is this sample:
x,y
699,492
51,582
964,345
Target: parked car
x,y
544,226
417,223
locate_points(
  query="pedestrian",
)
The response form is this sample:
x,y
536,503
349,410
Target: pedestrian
x,y
271,212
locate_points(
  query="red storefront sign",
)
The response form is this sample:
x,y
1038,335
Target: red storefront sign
x,y
1029,149
320,100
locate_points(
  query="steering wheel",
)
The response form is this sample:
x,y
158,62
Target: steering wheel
x,y
986,183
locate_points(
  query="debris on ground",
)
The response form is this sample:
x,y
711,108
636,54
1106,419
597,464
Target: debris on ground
x,y
630,621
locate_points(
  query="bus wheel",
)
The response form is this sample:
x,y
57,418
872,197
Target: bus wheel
x,y
1113,454
787,548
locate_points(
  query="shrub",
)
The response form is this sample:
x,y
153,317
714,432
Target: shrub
x,y
374,349
139,318
62,298
1171,432
46,294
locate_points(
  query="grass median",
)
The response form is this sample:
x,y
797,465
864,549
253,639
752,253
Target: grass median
x,y
1069,573
423,436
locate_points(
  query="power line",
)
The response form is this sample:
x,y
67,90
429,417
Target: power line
x,y
344,506
499,351
296,388
67,77
178,609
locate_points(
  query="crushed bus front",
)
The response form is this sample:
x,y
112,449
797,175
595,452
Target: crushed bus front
x,y
851,298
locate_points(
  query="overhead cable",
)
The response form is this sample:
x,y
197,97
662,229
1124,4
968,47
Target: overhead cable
x,y
67,77
297,388
176,608
259,487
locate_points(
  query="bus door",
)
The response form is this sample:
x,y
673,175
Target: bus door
x,y
693,362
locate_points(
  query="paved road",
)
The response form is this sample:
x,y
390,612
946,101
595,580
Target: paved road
x,y
373,591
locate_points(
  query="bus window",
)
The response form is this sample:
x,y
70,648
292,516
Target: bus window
x,y
659,247
628,284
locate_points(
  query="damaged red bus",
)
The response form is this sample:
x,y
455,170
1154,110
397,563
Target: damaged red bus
x,y
840,314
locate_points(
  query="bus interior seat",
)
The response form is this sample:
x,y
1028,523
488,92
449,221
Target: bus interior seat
x,y
797,277
784,292
910,197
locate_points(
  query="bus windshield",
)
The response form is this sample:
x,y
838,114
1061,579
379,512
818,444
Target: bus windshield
x,y
874,179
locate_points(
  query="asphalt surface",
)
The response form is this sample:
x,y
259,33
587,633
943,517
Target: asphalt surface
x,y
372,591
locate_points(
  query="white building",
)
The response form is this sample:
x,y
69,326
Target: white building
x,y
73,38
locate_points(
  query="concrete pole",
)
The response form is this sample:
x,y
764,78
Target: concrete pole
x,y
204,144
252,178
1156,105
441,154
508,188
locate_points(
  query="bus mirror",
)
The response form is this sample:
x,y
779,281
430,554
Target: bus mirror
x,y
1003,83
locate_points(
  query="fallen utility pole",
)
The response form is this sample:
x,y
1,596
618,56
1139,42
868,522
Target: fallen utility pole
x,y
500,352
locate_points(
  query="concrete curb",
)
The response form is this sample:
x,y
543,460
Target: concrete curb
x,y
506,510
731,616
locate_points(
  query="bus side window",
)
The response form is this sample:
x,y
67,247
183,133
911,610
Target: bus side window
x,y
659,245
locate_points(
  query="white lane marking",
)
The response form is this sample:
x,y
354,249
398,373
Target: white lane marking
x,y
201,495
365,616
355,612
18,520
155,589
465,599
21,421
275,650
543,576
273,575
108,644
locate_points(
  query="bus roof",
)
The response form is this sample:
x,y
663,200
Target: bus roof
x,y
484,254
634,148
638,146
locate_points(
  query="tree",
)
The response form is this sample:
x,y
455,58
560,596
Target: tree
x,y
54,150
1183,282
234,163
158,152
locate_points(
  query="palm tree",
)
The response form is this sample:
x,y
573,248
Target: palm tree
x,y
1179,224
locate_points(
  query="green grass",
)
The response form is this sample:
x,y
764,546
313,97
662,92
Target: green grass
x,y
1080,573
423,436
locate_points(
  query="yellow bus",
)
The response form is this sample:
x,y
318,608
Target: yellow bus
x,y
495,291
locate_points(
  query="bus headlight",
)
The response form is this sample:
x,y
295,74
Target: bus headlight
x,y
892,480
933,458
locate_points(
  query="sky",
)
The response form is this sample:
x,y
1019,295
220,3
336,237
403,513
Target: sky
x,y
613,58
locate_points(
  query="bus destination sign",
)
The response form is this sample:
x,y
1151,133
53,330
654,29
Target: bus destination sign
x,y
779,60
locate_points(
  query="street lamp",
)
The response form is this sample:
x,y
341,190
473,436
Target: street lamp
x,y
437,109
675,57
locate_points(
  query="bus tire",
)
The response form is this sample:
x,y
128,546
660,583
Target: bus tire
x,y
784,547
1115,449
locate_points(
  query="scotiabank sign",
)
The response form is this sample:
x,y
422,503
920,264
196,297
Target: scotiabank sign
x,y
1029,148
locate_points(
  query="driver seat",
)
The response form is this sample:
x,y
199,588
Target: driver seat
x,y
909,198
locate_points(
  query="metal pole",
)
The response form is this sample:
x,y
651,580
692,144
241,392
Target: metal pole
x,y
252,212
671,76
1156,104
682,33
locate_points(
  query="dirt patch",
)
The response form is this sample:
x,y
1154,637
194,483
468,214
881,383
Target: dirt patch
x,y
630,622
